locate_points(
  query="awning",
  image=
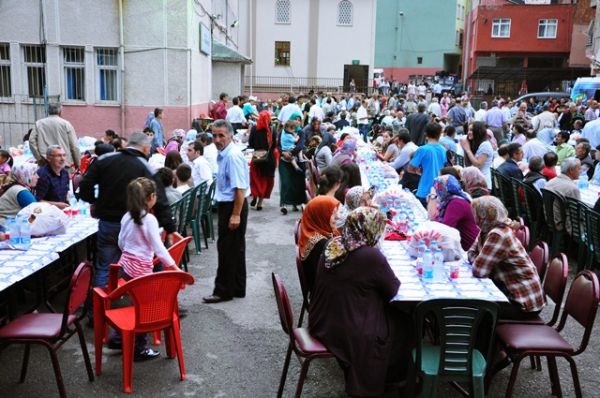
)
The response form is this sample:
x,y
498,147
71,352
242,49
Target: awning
x,y
222,53
513,73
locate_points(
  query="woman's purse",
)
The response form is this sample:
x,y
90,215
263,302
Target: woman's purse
x,y
260,156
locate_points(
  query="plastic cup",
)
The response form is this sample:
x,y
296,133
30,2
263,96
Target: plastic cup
x,y
454,271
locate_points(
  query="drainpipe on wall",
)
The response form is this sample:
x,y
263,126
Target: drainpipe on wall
x,y
467,41
122,62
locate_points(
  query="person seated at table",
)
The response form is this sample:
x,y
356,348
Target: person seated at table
x,y
454,209
201,171
534,177
317,225
563,149
510,168
6,162
501,158
349,311
358,196
582,152
565,184
53,181
550,162
499,255
139,241
17,189
454,171
345,154
167,178
596,175
183,178
175,141
474,182
330,180
350,178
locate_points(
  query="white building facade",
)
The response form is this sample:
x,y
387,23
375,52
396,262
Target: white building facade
x,y
110,62
296,44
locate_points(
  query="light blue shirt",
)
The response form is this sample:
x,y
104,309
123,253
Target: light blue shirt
x,y
233,174
159,137
591,131
431,159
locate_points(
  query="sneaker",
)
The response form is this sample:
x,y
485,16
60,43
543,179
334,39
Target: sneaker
x,y
254,200
283,211
146,355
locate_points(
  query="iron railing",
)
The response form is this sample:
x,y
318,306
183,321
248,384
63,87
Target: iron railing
x,y
263,84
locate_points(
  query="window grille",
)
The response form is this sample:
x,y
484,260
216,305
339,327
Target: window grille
x,y
5,82
74,64
345,11
34,57
107,66
283,12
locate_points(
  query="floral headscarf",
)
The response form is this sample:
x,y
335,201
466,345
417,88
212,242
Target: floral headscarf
x,y
191,135
315,224
23,173
447,188
364,226
489,213
348,147
178,133
474,180
354,196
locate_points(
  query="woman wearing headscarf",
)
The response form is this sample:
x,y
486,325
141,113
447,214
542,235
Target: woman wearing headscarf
x,y
17,189
149,120
345,154
190,136
454,209
357,197
262,173
292,183
499,255
317,226
174,142
324,154
474,182
348,314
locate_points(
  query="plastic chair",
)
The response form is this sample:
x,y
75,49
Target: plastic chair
x,y
459,159
207,215
530,209
539,255
495,184
454,358
154,299
301,342
592,227
197,221
523,235
522,340
576,228
303,288
554,209
52,330
188,212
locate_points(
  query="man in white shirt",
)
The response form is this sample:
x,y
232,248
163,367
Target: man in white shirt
x,y
201,170
210,151
480,114
315,111
235,115
534,146
362,119
435,107
288,110
437,90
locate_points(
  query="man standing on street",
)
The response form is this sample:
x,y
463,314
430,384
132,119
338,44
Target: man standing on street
x,y
54,130
157,127
232,189
220,109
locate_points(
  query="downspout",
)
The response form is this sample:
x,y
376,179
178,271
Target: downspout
x,y
467,42
122,62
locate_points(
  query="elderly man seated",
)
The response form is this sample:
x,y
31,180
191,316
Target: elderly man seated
x,y
53,183
565,184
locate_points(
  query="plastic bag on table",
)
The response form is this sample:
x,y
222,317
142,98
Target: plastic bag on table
x,y
447,238
45,219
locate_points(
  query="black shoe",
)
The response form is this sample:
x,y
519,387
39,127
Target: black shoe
x,y
215,299
253,203
283,211
183,313
239,295
146,355
295,208
259,208
114,344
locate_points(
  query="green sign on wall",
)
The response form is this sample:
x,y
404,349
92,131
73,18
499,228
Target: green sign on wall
x,y
356,62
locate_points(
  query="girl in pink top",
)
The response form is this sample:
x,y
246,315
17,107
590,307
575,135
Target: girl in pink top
x,y
6,162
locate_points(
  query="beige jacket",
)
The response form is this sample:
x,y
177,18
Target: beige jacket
x,y
54,130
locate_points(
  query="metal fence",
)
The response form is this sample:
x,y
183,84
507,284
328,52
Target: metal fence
x,y
18,114
294,84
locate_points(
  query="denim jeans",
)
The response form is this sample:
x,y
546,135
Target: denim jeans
x,y
364,131
108,251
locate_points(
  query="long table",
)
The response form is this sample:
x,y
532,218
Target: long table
x,y
17,265
589,195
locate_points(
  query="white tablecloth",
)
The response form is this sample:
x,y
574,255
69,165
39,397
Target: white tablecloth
x,y
589,196
17,265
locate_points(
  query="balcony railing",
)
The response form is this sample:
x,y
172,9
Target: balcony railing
x,y
300,84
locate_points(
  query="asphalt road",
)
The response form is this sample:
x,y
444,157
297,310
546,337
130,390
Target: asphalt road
x,y
236,349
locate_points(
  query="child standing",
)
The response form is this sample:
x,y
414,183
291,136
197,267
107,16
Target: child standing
x,y
289,138
139,241
6,162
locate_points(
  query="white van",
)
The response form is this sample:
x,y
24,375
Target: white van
x,y
586,88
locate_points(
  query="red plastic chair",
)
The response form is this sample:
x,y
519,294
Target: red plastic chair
x,y
52,330
539,256
523,235
301,342
522,340
154,298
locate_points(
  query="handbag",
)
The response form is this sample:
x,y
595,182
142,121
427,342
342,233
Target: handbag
x,y
260,156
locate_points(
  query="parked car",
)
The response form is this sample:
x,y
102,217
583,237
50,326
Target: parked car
x,y
543,95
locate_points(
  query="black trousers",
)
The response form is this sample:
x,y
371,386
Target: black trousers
x,y
231,247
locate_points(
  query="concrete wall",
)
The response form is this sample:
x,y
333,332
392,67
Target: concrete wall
x,y
227,78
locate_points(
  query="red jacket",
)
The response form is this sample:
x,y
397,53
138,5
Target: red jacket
x,y
219,110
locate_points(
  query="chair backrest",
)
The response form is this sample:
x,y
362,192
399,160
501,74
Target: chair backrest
x,y
154,297
582,305
516,194
592,228
539,256
555,283
553,203
286,315
302,278
523,235
495,183
530,206
460,160
78,292
458,324
175,209
177,248
573,207
297,231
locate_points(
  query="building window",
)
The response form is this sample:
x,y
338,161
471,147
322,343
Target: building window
x,y
345,13
547,28
107,66
74,64
282,12
419,60
459,38
501,27
282,53
5,83
35,69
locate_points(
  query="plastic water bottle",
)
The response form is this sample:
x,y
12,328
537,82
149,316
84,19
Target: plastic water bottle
x,y
403,222
25,233
583,181
433,246
73,204
427,265
26,149
420,251
439,273
13,231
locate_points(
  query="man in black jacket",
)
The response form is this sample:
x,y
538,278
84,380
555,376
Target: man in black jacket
x,y
112,173
415,123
